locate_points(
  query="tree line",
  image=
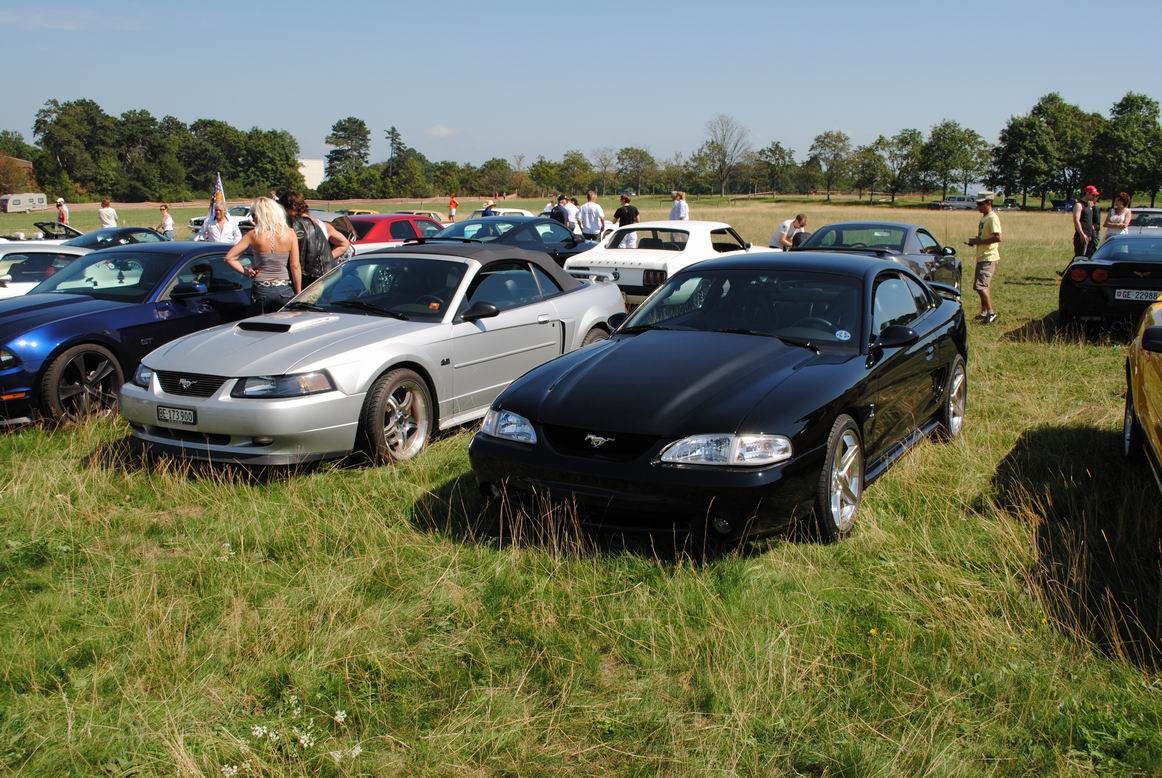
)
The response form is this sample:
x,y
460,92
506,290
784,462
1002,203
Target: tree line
x,y
1052,150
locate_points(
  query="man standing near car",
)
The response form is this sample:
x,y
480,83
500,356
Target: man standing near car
x,y
591,217
623,217
453,204
560,213
1086,218
988,253
784,237
220,229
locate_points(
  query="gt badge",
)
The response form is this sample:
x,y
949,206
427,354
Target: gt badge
x,y
596,440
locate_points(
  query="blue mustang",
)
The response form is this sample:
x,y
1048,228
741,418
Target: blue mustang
x,y
66,346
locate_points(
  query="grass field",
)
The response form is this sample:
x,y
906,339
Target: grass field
x,y
996,611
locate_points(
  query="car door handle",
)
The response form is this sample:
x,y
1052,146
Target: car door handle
x,y
543,318
930,353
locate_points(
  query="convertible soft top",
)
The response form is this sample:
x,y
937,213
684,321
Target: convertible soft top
x,y
485,254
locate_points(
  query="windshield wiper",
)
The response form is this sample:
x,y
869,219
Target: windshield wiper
x,y
645,327
362,306
744,331
802,342
299,305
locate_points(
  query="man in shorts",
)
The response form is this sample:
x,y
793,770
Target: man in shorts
x,y
988,253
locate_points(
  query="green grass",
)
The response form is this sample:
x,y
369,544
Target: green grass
x,y
996,611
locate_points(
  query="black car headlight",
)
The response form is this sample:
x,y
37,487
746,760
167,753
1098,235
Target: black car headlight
x,y
278,386
728,450
8,359
143,377
508,426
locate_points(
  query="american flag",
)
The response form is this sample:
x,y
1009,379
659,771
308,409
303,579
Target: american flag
x,y
219,196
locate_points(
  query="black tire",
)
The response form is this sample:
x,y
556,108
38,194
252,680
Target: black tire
x,y
952,409
595,335
1133,438
397,417
80,382
840,489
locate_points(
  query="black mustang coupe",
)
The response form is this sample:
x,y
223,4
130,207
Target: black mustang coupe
x,y
744,394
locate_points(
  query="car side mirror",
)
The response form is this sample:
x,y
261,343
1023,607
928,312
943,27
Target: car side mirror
x,y
897,336
616,320
481,310
1152,339
5,280
948,251
188,289
746,244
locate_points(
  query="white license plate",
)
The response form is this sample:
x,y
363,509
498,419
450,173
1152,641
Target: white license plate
x,y
177,415
1141,295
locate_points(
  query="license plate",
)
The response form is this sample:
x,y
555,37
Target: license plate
x,y
1140,295
177,415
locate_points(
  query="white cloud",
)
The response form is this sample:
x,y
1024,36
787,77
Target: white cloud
x,y
439,131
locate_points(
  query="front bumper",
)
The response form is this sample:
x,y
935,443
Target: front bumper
x,y
640,496
246,431
17,394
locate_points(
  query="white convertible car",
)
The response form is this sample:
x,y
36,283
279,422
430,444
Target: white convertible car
x,y
640,257
376,356
25,264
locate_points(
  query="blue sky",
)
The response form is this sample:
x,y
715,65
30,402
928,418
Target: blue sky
x,y
473,80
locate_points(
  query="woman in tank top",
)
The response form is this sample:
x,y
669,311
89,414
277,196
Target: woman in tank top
x,y
274,266
1118,218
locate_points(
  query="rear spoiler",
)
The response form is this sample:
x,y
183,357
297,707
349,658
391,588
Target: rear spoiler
x,y
944,290
593,275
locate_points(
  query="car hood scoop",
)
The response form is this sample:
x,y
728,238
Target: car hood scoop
x,y
285,321
661,383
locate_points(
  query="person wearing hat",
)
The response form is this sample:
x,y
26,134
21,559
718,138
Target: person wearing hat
x,y
1086,218
488,208
988,253
62,211
559,213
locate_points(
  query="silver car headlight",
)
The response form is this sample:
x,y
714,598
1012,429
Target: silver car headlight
x,y
508,426
143,377
8,359
729,450
278,386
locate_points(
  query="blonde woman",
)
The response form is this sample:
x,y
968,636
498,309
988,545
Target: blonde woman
x,y
275,251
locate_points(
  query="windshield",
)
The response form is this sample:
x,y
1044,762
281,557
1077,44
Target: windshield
x,y
114,236
478,229
127,276
819,308
1147,219
1131,248
406,287
858,236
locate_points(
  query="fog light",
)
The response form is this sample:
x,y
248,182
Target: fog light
x,y
263,441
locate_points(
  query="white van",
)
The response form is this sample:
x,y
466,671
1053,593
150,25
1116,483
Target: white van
x,y
23,203
958,203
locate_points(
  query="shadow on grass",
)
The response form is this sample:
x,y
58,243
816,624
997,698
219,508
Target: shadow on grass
x,y
1098,526
1049,329
458,510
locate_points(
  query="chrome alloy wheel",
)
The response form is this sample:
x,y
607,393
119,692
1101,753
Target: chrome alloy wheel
x,y
846,481
406,420
957,398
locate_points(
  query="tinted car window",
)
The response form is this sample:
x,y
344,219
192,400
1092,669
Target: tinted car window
x,y
419,289
893,303
922,298
215,274
650,238
549,287
508,285
33,267
1131,247
726,239
928,244
863,236
551,232
402,230
125,275
428,228
362,227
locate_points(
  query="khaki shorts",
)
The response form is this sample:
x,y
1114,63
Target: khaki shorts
x,y
984,275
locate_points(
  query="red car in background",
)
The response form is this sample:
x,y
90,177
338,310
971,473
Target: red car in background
x,y
376,231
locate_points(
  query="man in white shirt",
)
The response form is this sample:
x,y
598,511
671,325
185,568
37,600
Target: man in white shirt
x,y
220,229
591,217
784,237
573,209
680,210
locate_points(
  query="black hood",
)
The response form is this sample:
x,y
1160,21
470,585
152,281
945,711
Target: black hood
x,y
28,312
661,383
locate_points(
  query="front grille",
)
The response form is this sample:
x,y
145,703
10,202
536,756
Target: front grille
x,y
189,384
619,447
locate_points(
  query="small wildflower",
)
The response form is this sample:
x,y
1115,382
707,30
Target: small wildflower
x,y
1044,620
337,756
272,736
873,632
305,739
258,731
340,716
356,750
229,770
227,553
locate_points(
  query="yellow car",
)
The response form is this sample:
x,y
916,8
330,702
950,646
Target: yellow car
x,y
1142,427
356,211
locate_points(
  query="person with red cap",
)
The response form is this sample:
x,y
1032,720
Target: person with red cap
x,y
1086,218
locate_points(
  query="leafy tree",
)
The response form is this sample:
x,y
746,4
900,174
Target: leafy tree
x,y
943,152
726,146
1124,150
396,148
778,166
972,163
13,177
445,177
1073,132
605,163
546,175
831,151
809,176
673,171
352,141
1023,160
77,138
868,169
12,143
901,154
494,175
635,165
576,172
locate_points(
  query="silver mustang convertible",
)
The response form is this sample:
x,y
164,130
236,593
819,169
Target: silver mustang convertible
x,y
375,356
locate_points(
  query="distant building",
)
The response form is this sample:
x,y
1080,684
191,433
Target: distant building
x,y
312,170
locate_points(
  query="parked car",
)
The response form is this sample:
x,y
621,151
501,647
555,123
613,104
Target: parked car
x,y
380,231
957,203
45,232
640,257
1062,205
115,236
66,346
1142,422
747,392
909,244
377,355
1010,204
498,211
1117,284
236,213
435,216
532,233
24,265
1147,220
356,211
